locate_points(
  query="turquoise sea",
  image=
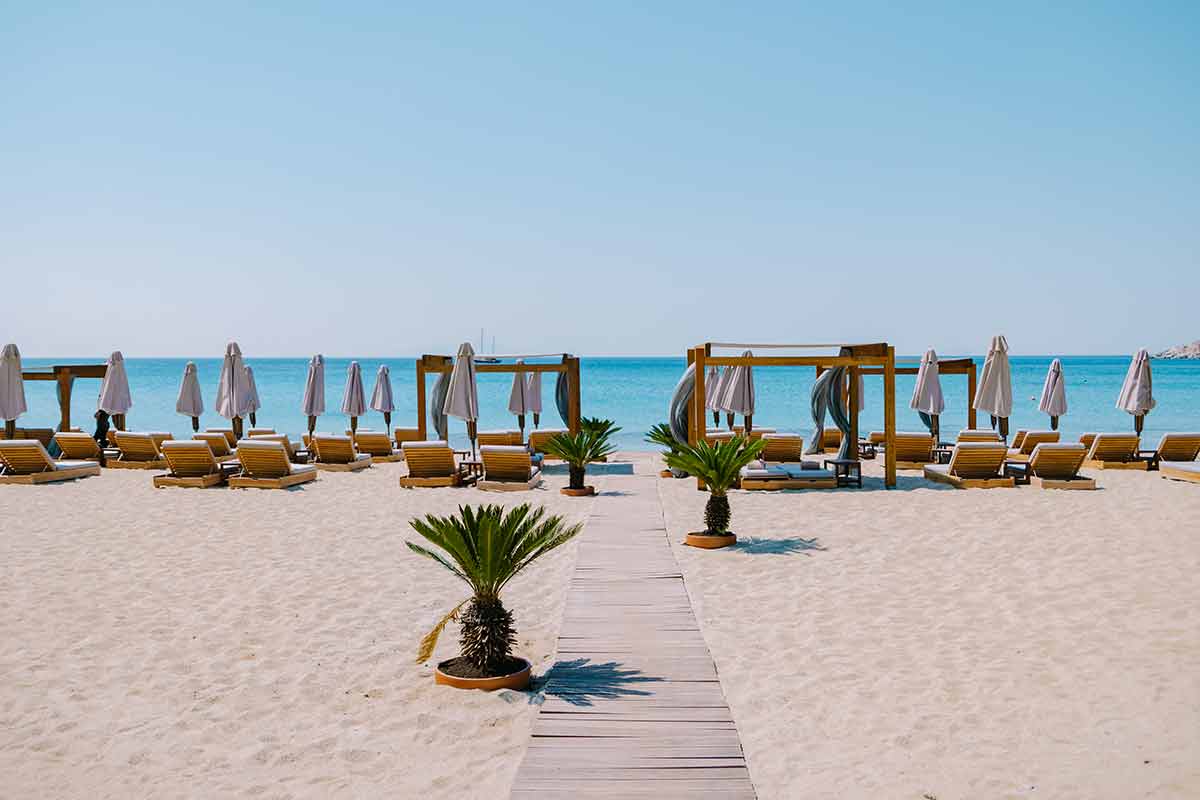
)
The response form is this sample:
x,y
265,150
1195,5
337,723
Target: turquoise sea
x,y
633,391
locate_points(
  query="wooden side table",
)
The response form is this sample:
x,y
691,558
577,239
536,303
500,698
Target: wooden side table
x,y
847,471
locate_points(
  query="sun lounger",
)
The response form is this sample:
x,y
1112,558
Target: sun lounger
x,y
877,438
783,448
713,436
1177,447
337,453
1018,439
431,463
1086,439
774,477
27,461
985,435
79,446
261,432
228,433
538,438
507,468
758,433
1029,442
1054,465
913,449
296,454
137,451
1180,470
403,435
217,444
192,465
266,465
973,465
831,440
377,445
503,437
1115,451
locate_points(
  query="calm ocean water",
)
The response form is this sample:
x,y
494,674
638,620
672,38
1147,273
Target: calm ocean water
x,y
633,391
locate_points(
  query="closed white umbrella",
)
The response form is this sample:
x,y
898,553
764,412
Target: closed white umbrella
x,y
462,397
1054,394
533,395
381,396
253,404
12,389
518,398
994,394
233,397
712,388
927,396
718,397
114,390
354,400
314,391
1137,392
190,402
737,392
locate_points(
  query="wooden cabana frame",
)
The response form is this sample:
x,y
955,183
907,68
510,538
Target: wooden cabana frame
x,y
64,375
880,356
952,366
436,365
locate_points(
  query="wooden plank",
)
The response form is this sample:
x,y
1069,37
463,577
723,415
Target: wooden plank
x,y
633,707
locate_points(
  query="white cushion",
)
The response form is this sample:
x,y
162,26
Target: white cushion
x,y
424,444
502,448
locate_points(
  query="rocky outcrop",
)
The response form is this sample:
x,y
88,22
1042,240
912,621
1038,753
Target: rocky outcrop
x,y
1181,351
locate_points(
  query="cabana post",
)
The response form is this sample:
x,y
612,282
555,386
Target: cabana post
x,y
950,366
436,365
878,358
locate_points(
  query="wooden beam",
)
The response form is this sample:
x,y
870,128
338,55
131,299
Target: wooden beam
x,y
971,396
420,399
889,419
852,408
795,361
66,381
573,392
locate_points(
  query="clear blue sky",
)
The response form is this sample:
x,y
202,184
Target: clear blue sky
x,y
630,178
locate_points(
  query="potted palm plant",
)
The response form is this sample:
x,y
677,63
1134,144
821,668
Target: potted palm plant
x,y
486,547
661,435
718,466
591,443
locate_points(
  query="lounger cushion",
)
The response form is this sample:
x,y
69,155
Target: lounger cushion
x,y
1186,466
502,448
426,443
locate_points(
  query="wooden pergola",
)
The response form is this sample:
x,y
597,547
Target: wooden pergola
x,y
432,364
64,375
857,357
953,366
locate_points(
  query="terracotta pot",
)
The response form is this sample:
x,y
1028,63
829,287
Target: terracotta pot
x,y
586,491
709,542
666,473
518,680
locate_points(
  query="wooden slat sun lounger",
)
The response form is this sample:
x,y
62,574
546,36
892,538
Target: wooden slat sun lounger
x,y
217,444
1115,451
296,455
913,449
973,465
831,440
1086,439
501,437
137,451
266,465
27,461
776,477
228,433
402,435
985,435
712,436
79,446
1180,447
758,433
335,453
1031,439
431,464
192,465
538,438
877,438
261,432
1180,470
507,468
1056,466
783,448
378,445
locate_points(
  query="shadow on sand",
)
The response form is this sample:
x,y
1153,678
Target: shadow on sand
x,y
579,682
617,468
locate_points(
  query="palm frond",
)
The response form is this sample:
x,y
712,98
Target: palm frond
x,y
429,641
718,465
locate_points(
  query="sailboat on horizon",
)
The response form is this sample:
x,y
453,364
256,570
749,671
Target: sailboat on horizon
x,y
486,359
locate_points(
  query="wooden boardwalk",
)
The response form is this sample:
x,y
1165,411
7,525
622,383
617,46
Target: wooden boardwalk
x,y
633,707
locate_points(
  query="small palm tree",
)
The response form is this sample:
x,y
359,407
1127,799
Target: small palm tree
x,y
486,547
580,449
661,435
597,425
718,465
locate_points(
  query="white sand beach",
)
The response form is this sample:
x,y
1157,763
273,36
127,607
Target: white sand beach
x,y
218,643
929,642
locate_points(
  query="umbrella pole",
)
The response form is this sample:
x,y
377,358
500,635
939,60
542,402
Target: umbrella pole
x,y
312,424
353,425
471,433
537,419
387,420
10,429
717,419
521,425
119,421
729,420
993,416
935,427
1139,421
195,424
237,427
749,424
1053,423
253,420
1004,428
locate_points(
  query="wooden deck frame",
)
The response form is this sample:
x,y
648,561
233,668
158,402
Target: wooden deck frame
x,y
511,486
458,479
116,463
52,475
1191,475
197,482
880,357
969,483
1095,464
1074,483
285,482
436,365
772,485
350,466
